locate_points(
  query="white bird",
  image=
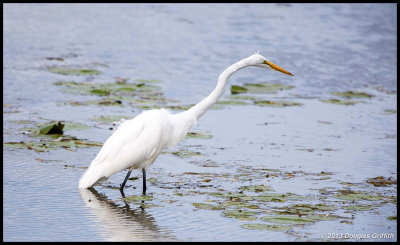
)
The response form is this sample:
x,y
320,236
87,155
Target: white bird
x,y
137,142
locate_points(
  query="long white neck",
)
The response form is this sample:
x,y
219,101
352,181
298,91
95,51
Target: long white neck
x,y
183,121
199,109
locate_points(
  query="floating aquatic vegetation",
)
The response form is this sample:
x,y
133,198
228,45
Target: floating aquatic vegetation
x,y
54,58
231,102
355,195
262,227
276,103
112,118
237,203
381,181
259,88
52,137
255,188
102,89
226,194
288,219
384,90
242,97
102,102
306,209
74,126
148,80
198,135
358,207
186,153
52,128
206,206
351,94
341,102
392,218
241,214
390,111
136,199
73,71
66,142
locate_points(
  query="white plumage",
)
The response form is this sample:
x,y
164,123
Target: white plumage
x,y
137,143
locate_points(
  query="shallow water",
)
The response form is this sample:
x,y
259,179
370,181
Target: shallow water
x,y
329,47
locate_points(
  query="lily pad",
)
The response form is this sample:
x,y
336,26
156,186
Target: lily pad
x,y
262,227
52,128
352,94
255,188
276,103
113,118
73,71
341,102
259,88
137,198
103,89
66,142
358,207
148,80
306,209
288,219
240,214
390,111
231,102
206,206
198,135
392,218
355,195
186,153
75,126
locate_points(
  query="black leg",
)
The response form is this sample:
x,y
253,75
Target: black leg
x,y
144,181
121,188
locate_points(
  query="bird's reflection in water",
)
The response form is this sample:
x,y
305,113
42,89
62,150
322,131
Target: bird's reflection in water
x,y
122,223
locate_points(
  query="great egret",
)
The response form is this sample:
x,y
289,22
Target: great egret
x,y
137,142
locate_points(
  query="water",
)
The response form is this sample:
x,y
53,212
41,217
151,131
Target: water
x,y
328,47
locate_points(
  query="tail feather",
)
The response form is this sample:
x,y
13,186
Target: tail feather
x,y
91,177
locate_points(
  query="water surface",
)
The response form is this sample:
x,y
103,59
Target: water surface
x,y
328,47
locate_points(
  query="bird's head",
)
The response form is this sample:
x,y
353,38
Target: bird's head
x,y
260,61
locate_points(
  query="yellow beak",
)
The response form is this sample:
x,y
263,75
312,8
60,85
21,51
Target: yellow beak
x,y
277,68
